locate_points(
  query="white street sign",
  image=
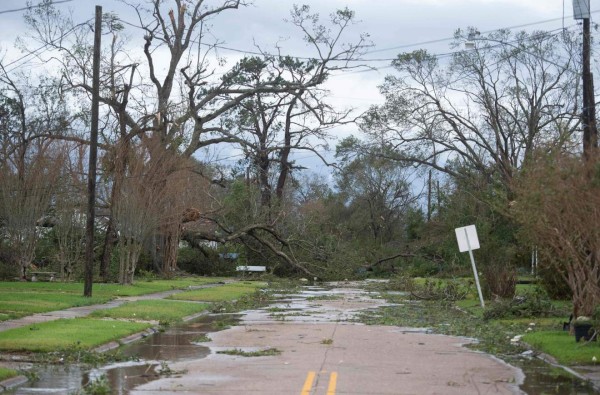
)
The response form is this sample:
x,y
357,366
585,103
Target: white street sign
x,y
465,236
581,9
468,241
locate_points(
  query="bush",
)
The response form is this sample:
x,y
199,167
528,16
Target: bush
x,y
500,281
552,282
8,268
446,290
206,262
422,267
534,304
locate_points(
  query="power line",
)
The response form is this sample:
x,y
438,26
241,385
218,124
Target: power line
x,y
552,33
34,6
435,41
252,52
35,51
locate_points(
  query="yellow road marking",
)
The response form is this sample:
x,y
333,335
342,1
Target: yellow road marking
x,y
308,383
332,383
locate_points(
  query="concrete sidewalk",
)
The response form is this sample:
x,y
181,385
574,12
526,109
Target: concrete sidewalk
x,y
84,311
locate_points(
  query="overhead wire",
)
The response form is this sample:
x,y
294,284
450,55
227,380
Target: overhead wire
x,y
37,50
33,6
258,53
435,41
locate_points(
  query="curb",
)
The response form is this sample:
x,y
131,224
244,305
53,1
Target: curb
x,y
141,335
13,382
551,361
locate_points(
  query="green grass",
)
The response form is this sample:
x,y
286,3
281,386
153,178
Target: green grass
x,y
18,299
165,311
16,305
563,347
106,290
7,373
224,293
85,333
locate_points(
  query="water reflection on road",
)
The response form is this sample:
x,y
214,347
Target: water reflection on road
x,y
149,356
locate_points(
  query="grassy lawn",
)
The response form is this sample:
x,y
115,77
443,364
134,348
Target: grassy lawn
x,y
67,333
563,347
18,299
165,311
7,373
16,305
220,294
106,290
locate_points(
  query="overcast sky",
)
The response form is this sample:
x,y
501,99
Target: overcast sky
x,y
394,26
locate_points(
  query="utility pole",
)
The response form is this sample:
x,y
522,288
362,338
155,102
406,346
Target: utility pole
x,y
581,10
429,187
91,212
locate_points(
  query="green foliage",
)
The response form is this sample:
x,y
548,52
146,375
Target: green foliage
x,y
532,304
203,262
98,386
204,338
445,290
552,282
421,267
8,270
165,311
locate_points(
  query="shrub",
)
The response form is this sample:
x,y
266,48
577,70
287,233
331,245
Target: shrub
x,y
445,290
552,282
203,262
500,281
533,304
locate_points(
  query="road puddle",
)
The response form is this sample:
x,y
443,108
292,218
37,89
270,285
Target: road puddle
x,y
149,356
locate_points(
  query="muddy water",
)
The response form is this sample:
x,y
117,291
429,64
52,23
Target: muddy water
x,y
150,356
541,378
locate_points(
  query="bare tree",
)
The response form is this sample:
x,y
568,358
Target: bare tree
x,y
30,164
184,106
69,213
487,109
151,196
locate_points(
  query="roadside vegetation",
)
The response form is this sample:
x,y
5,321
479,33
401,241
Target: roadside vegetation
x,y
229,292
506,327
115,323
18,299
6,373
165,312
83,333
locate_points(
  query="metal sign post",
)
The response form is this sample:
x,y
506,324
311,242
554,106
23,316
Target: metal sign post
x,y
468,241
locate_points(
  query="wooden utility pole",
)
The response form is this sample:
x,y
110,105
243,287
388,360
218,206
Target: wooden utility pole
x,y
429,187
91,212
588,116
